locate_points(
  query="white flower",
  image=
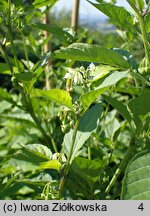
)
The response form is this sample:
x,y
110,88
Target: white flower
x,y
68,76
91,67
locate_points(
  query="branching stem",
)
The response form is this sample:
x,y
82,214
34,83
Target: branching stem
x,y
67,166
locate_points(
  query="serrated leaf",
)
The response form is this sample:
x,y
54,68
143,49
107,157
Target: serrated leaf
x,y
92,53
88,124
136,183
57,95
55,30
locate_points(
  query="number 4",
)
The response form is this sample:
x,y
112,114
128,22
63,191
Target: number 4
x,y
141,207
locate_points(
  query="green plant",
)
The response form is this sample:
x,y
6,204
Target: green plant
x,y
94,120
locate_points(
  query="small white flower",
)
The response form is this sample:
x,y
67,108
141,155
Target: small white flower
x,y
68,76
91,67
75,78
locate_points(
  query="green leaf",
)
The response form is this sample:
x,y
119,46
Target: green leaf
x,y
35,153
128,57
4,69
92,53
110,79
56,95
136,183
119,106
102,85
17,2
26,77
147,22
23,119
55,30
4,105
141,3
89,97
118,15
87,169
6,96
140,105
131,90
7,186
83,177
100,71
88,124
41,3
51,164
112,125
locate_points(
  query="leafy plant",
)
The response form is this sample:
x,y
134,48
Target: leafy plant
x,y
73,141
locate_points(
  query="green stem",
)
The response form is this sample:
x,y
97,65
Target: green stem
x,y
25,50
121,166
11,36
6,58
67,167
73,139
145,41
51,138
143,31
9,12
13,48
89,152
30,110
36,120
25,96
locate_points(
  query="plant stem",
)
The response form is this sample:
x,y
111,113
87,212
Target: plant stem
x,y
67,166
30,110
145,41
25,96
11,37
143,31
5,56
25,50
73,139
121,166
36,120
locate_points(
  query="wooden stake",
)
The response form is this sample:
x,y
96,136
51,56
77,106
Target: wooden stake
x,y
75,15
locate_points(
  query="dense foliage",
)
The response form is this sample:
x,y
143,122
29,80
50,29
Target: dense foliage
x,y
85,135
